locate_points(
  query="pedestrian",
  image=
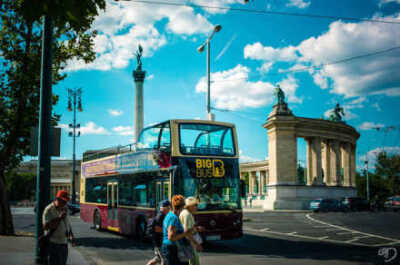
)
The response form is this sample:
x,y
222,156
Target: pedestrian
x,y
156,231
56,222
173,231
187,220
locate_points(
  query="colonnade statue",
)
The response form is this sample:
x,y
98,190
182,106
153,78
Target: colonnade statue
x,y
337,113
280,95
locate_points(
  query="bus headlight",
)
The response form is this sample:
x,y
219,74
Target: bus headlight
x,y
213,223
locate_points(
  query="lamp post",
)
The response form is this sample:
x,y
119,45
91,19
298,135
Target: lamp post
x,y
217,28
367,180
74,98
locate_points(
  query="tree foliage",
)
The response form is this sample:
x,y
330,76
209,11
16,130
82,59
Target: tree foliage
x,y
384,182
20,186
20,60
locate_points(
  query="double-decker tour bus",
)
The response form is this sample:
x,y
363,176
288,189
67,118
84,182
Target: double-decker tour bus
x,y
122,187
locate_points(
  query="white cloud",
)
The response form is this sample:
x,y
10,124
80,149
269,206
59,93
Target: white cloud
x,y
382,2
259,52
244,159
115,112
348,114
371,155
289,86
298,3
92,128
150,77
369,126
232,90
265,67
123,130
371,75
89,128
124,25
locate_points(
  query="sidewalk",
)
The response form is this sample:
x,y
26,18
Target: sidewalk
x,y
20,250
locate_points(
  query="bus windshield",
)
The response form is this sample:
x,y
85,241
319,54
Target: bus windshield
x,y
206,139
214,193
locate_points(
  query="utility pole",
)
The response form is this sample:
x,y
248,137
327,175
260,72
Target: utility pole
x,y
74,98
367,180
44,146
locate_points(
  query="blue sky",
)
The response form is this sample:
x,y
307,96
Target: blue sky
x,y
249,56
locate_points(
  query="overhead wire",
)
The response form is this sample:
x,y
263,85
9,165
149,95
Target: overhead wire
x,y
345,60
266,12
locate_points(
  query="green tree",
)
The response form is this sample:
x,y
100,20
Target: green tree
x,y
20,53
20,186
388,168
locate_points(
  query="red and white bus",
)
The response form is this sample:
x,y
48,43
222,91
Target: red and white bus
x,y
122,187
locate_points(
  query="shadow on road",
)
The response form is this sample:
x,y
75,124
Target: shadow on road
x,y
274,247
112,243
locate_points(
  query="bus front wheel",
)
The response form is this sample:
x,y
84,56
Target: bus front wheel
x,y
97,221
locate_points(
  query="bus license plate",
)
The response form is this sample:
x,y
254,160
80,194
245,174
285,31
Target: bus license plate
x,y
214,237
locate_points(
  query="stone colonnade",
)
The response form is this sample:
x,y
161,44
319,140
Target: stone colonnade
x,y
258,176
330,162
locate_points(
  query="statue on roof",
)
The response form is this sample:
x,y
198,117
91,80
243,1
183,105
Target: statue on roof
x,y
280,95
139,54
337,113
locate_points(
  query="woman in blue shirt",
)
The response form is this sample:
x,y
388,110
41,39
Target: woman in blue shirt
x,y
173,231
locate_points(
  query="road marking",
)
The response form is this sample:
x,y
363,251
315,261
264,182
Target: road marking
x,y
265,229
292,233
320,226
345,233
356,239
351,230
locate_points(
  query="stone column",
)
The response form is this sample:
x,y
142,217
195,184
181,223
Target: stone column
x,y
139,77
253,182
335,162
346,163
326,162
309,161
282,151
316,164
353,166
262,182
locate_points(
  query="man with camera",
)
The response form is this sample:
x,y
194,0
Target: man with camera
x,y
56,222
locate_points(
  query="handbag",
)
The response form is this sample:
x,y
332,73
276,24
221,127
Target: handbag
x,y
185,250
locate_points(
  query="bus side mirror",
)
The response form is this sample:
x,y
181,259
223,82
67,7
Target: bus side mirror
x,y
242,188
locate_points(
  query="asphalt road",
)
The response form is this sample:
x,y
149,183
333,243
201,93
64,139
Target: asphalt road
x,y
270,238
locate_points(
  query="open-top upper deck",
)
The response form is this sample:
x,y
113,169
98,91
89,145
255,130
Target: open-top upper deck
x,y
179,137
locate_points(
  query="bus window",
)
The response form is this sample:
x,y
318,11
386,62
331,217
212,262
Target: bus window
x,y
148,138
206,139
165,139
96,190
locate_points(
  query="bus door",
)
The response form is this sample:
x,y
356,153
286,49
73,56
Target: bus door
x,y
112,206
162,190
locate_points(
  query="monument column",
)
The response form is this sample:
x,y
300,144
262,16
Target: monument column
x,y
139,76
316,161
335,162
309,161
353,166
346,163
326,162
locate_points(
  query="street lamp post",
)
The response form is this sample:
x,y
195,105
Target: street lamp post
x,y
367,180
74,97
217,28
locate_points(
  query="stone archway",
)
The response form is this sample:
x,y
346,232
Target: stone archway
x,y
331,159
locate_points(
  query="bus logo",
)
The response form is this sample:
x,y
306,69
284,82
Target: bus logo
x,y
210,168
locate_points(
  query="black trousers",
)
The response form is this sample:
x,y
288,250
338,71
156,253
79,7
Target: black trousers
x,y
58,254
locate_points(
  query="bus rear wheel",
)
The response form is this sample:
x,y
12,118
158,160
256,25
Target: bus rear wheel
x,y
97,221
